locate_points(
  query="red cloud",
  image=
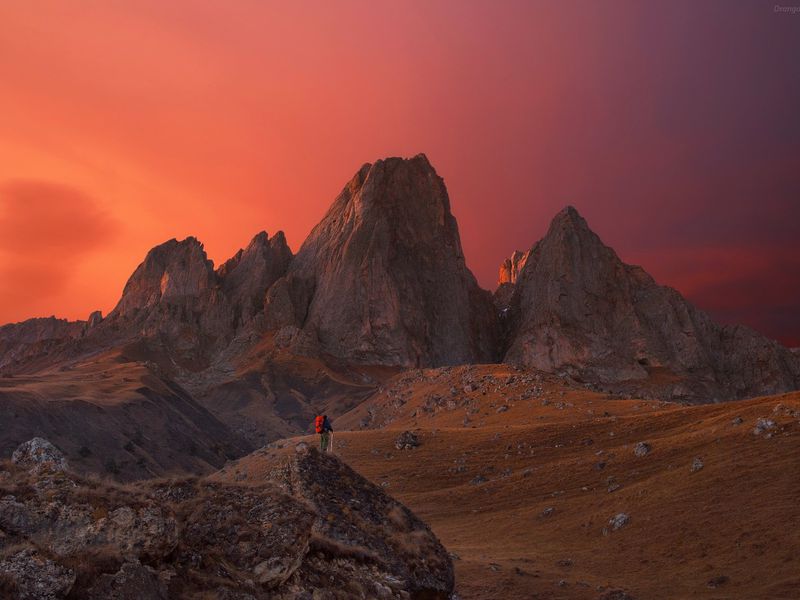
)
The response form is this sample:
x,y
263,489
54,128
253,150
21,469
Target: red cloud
x,y
45,229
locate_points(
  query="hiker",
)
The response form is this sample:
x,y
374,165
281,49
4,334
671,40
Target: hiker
x,y
325,431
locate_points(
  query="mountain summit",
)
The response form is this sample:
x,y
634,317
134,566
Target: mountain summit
x,y
382,279
577,307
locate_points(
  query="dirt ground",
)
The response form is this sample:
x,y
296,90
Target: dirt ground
x,y
523,497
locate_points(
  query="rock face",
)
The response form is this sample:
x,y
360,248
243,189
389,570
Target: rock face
x,y
19,341
251,272
314,527
355,518
39,454
177,299
577,307
382,279
512,267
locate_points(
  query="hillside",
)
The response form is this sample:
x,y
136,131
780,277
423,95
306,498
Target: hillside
x,y
524,497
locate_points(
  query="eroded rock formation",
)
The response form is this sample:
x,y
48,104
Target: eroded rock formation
x,y
382,279
577,307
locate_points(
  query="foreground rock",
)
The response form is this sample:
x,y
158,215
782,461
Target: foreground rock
x,y
313,526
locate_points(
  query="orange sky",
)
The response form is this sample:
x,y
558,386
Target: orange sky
x,y
672,129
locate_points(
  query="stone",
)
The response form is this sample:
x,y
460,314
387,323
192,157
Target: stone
x,y
406,441
133,581
764,425
642,449
36,577
39,454
618,521
697,464
306,525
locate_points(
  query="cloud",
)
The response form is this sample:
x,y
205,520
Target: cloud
x,y
40,218
45,230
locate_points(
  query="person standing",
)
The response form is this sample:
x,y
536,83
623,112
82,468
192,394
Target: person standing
x,y
325,430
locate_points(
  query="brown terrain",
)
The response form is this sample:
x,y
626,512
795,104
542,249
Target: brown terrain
x,y
524,493
572,435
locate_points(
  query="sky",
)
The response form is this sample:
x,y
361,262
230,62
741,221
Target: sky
x,y
673,128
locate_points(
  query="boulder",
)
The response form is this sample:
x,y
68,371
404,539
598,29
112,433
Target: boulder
x,y
40,455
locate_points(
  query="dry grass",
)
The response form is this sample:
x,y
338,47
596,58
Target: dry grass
x,y
736,517
335,549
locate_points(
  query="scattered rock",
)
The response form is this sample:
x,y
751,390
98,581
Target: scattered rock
x,y
642,449
478,479
618,521
697,464
764,425
302,448
737,421
548,511
502,409
406,441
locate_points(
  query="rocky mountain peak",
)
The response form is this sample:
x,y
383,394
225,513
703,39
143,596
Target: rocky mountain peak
x,y
577,307
170,271
512,266
382,278
248,275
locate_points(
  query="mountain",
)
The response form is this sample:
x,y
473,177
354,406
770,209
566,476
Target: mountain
x,y
21,341
382,279
238,356
576,307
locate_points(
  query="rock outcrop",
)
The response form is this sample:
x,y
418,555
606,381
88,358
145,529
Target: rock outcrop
x,y
506,280
39,455
382,279
251,272
313,527
512,267
577,307
21,341
176,301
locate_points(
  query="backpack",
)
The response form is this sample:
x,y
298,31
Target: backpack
x,y
319,423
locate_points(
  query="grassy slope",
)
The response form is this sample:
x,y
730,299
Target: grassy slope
x,y
737,517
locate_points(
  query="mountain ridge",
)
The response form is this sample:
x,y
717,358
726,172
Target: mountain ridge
x,y
269,338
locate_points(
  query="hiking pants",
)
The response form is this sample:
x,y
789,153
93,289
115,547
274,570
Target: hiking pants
x,y
324,440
